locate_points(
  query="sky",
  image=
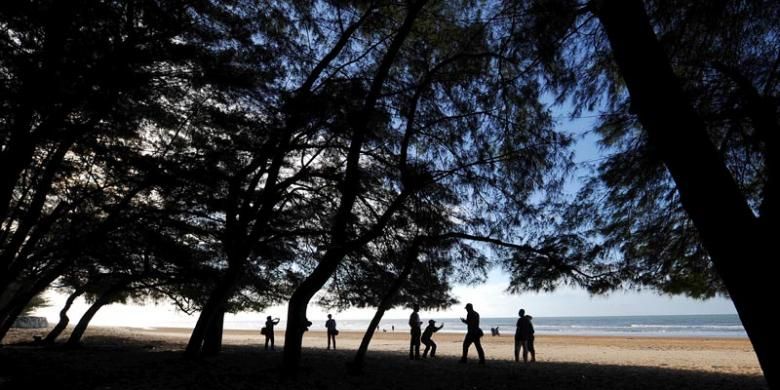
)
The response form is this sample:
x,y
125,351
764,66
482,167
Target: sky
x,y
489,299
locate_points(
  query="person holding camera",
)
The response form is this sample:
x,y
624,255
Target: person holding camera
x,y
268,331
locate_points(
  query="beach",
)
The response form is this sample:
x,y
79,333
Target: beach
x,y
111,354
729,355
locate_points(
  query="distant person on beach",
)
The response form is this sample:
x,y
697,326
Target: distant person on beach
x,y
330,324
414,324
473,334
530,341
269,331
393,328
522,333
426,338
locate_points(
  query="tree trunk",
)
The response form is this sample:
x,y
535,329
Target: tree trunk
x,y
15,158
52,336
21,298
357,364
214,305
105,299
296,312
212,344
32,215
8,321
356,367
729,230
8,293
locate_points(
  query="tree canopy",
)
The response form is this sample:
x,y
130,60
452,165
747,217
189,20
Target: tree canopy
x,y
230,155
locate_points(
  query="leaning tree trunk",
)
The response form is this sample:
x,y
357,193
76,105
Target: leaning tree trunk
x,y
211,310
356,367
64,320
10,318
296,312
10,311
729,230
212,344
105,298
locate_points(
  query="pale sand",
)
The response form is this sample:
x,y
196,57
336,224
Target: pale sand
x,y
725,355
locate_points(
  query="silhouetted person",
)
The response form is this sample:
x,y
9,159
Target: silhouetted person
x,y
497,332
416,332
269,331
393,328
330,324
530,341
473,334
522,333
426,338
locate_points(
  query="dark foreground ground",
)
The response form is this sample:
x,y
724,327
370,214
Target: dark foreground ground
x,y
107,363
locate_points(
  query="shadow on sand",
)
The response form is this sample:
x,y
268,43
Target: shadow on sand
x,y
102,364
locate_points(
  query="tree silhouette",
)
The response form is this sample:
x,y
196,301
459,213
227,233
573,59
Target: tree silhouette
x,y
96,95
689,100
449,113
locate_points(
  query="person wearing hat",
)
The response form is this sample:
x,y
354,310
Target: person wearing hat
x,y
473,334
430,345
269,331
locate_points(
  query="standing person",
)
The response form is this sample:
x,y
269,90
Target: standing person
x,y
522,332
426,338
530,341
473,334
269,331
330,324
414,324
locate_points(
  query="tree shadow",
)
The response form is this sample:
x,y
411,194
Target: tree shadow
x,y
136,366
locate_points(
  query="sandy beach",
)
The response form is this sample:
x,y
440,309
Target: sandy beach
x,y
700,354
563,361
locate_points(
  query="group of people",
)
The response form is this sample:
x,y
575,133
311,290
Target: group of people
x,y
418,335
524,335
268,331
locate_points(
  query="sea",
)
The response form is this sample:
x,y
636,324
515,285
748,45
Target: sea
x,y
704,326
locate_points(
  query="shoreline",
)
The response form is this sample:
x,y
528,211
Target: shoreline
x,y
177,330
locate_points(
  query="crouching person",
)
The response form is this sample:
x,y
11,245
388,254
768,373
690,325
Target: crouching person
x,y
430,345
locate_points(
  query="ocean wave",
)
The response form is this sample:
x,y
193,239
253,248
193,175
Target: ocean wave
x,y
735,327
